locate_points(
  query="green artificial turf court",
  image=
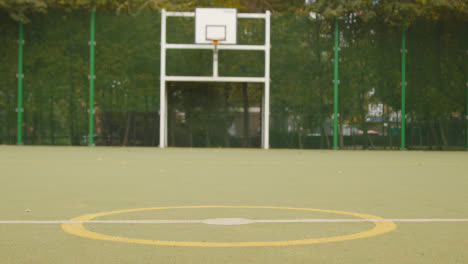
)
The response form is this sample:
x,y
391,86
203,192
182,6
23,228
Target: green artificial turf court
x,y
63,183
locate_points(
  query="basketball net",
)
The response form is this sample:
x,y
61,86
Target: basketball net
x,y
215,43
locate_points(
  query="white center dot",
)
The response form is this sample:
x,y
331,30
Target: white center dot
x,y
227,221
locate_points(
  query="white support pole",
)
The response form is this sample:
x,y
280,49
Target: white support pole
x,y
165,118
162,92
266,111
215,61
263,119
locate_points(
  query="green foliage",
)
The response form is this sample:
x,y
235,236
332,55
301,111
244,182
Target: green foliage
x,y
391,11
17,9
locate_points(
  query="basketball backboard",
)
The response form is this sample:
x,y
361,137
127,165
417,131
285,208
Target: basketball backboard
x,y
215,24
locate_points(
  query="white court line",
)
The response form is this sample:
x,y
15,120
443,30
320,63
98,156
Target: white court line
x,y
363,220
416,220
104,222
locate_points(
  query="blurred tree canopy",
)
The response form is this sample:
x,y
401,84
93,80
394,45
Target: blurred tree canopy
x,y
19,9
392,11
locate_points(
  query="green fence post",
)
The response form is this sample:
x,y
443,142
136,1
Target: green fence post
x,y
20,86
92,43
403,87
335,89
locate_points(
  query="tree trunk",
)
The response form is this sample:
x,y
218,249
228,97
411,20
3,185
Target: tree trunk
x,y
7,122
190,134
38,119
340,132
107,124
156,119
442,82
371,141
71,112
325,135
442,134
71,117
51,120
245,97
389,127
434,135
362,106
127,129
363,121
38,126
390,136
172,123
420,136
226,116
353,134
189,114
207,134
300,133
154,134
341,118
134,128
146,138
318,52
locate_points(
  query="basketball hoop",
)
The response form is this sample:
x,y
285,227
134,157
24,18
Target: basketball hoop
x,y
215,43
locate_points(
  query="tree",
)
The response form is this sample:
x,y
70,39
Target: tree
x,y
390,11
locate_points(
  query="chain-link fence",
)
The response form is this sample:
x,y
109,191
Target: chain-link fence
x,y
127,68
8,71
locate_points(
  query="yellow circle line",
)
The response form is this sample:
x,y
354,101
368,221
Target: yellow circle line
x,y
79,230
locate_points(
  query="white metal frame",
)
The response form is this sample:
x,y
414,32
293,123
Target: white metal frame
x,y
215,78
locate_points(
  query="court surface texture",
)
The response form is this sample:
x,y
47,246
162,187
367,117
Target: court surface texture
x,y
180,205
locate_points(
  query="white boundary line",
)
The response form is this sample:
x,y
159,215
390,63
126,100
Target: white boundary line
x,y
416,220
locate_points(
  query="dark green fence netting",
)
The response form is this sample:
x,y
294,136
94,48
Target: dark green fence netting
x,y
127,69
214,114
369,91
127,79
436,92
301,82
8,84
56,65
